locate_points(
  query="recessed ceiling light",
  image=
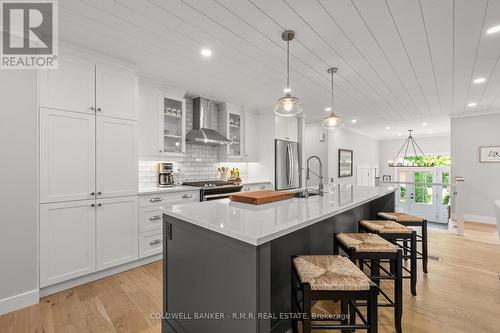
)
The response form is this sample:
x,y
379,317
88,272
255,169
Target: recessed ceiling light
x,y
328,109
399,134
206,52
287,90
354,121
472,104
430,132
493,30
388,128
424,124
479,80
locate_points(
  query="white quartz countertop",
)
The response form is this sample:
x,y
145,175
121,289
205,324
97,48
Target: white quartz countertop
x,y
172,189
258,224
254,182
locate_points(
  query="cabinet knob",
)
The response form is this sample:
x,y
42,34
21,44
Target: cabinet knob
x,y
160,151
92,193
187,196
99,109
99,193
92,108
99,205
92,205
262,187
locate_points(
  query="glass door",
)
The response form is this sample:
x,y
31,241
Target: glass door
x,y
443,194
173,121
422,197
403,203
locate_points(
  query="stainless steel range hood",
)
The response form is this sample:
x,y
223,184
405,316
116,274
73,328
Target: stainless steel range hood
x,y
204,127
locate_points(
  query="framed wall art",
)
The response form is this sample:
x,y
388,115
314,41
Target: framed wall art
x,y
489,154
345,163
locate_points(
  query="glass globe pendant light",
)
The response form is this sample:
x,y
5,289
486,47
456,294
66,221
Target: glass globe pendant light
x,y
332,120
288,105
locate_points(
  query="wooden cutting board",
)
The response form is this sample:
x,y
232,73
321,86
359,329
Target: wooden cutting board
x,y
260,197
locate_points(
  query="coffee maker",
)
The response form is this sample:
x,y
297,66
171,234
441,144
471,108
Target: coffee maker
x,y
165,177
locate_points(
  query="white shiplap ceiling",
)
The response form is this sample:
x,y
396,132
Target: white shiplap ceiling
x,y
401,62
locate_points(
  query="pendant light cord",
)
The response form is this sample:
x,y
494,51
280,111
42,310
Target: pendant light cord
x,y
332,91
288,64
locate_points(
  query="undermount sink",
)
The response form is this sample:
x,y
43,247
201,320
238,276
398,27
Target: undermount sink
x,y
303,195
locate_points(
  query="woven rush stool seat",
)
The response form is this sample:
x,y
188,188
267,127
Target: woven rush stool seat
x,y
372,250
385,227
413,221
365,242
402,236
332,278
400,217
330,273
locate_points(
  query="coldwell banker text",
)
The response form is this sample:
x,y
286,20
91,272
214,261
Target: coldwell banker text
x,y
29,34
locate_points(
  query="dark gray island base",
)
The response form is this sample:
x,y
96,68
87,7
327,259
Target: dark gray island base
x,y
214,283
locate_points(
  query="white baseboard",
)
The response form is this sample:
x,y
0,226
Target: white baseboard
x,y
480,219
49,290
20,301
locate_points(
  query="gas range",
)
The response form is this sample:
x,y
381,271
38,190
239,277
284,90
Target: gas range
x,y
215,189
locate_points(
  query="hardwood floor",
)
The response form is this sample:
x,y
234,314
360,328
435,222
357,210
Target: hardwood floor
x,y
460,294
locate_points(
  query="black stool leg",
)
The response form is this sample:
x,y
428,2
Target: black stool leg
x,y
373,309
375,271
352,314
294,296
344,311
335,245
424,246
306,323
405,246
398,291
413,263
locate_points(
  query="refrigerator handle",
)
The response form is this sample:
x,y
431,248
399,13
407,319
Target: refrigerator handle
x,y
288,162
291,167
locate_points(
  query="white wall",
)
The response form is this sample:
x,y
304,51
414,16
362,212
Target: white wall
x,y
365,152
482,181
314,146
429,145
18,197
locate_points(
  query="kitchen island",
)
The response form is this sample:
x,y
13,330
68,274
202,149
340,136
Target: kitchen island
x,y
227,264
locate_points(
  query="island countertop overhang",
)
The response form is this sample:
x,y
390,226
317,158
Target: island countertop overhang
x,y
258,224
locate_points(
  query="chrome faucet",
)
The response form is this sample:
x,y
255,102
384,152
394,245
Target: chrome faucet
x,y
320,175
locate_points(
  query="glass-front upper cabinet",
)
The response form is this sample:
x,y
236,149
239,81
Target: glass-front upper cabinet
x,y
172,125
232,125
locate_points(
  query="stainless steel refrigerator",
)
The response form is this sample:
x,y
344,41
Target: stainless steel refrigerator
x,y
286,164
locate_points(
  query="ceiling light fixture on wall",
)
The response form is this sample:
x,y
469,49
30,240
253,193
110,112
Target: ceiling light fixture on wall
x,y
401,161
332,120
472,104
288,105
479,80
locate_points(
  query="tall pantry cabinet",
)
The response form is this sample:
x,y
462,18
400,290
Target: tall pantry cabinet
x,y
88,169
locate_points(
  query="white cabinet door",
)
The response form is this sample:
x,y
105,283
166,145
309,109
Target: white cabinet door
x,y
70,87
117,231
251,136
116,93
67,241
67,156
149,121
117,162
287,128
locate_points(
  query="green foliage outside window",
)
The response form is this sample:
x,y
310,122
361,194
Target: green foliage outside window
x,y
423,193
430,161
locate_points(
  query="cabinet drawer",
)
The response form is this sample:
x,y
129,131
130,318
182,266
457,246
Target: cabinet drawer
x,y
151,218
151,243
170,198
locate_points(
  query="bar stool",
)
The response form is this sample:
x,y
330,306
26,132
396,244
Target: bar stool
x,y
394,233
368,247
412,221
327,277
